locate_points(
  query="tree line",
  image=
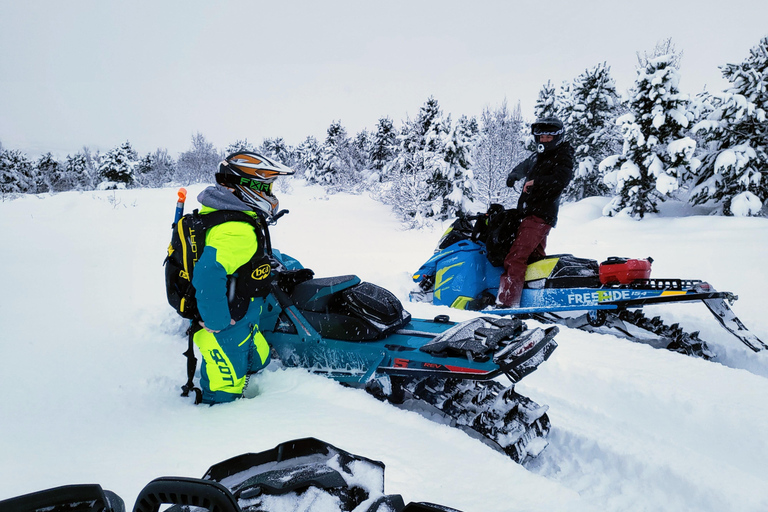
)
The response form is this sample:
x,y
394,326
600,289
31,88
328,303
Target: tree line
x,y
657,144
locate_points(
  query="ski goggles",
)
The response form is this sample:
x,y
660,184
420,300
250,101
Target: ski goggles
x,y
547,130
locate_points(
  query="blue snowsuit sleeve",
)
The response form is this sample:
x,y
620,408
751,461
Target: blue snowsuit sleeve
x,y
210,282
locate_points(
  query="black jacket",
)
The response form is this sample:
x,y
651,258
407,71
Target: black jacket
x,y
551,172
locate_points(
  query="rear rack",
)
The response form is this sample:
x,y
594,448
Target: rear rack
x,y
664,284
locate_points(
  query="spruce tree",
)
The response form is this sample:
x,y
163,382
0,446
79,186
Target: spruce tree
x,y
657,155
334,165
51,174
308,159
117,165
417,172
459,187
16,173
590,122
383,145
734,173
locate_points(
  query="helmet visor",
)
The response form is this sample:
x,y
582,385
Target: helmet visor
x,y
546,129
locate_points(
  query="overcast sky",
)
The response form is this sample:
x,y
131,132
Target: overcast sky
x,y
77,73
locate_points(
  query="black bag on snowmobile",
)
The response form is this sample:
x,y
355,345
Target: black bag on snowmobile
x,y
499,233
187,244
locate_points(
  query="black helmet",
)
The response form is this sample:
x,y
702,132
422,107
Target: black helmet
x,y
251,176
548,126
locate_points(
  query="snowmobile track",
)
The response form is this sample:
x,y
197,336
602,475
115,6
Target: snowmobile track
x,y
673,337
487,410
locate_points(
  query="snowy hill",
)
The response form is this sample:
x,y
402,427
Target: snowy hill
x,y
93,364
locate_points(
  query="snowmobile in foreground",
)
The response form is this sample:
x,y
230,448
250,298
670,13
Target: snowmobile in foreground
x,y
576,292
300,475
359,334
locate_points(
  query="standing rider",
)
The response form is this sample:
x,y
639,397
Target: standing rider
x,y
546,174
229,339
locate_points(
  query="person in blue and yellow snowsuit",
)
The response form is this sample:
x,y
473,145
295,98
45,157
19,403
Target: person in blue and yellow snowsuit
x,y
229,339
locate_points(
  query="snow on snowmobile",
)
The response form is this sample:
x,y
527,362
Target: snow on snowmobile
x,y
359,334
300,475
465,269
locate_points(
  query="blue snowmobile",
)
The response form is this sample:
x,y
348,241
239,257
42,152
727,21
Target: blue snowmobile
x,y
465,269
359,334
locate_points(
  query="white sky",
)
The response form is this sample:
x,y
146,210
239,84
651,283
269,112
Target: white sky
x,y
95,73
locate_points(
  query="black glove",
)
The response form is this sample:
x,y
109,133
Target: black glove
x,y
288,279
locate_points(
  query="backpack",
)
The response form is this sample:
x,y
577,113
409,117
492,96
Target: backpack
x,y
497,229
187,244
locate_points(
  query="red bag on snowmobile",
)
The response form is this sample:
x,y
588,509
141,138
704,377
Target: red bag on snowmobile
x,y
624,270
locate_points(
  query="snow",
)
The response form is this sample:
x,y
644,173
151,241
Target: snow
x,y
93,364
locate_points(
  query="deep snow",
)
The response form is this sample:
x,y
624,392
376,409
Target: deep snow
x,y
92,364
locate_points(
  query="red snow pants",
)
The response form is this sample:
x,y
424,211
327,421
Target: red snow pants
x,y
531,241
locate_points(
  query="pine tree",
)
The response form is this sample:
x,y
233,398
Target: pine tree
x,y
590,122
734,173
52,175
461,186
499,148
383,145
117,166
657,155
16,173
308,158
549,103
334,166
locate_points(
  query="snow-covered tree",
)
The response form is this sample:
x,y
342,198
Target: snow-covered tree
x,y
458,187
117,165
734,172
154,169
383,145
550,102
664,47
308,158
499,148
199,163
17,173
418,170
657,155
52,175
334,170
239,145
590,123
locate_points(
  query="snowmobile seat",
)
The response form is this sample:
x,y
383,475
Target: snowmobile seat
x,y
315,294
344,308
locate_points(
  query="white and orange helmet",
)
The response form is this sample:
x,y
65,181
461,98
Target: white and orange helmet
x,y
251,176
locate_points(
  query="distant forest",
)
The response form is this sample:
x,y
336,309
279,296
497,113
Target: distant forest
x,y
708,149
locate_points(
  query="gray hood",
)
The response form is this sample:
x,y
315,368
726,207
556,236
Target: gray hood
x,y
221,198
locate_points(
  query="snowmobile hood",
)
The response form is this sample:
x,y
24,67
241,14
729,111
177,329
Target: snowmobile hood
x,y
220,197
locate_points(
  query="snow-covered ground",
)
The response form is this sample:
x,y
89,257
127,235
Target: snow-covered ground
x,y
92,364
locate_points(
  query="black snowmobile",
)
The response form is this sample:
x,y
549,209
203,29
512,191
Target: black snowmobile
x,y
359,334
607,297
300,475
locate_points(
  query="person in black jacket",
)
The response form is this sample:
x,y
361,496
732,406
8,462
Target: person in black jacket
x,y
546,174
